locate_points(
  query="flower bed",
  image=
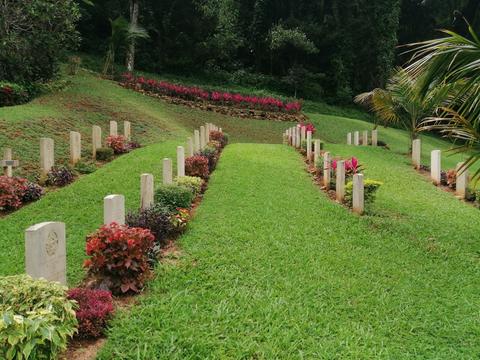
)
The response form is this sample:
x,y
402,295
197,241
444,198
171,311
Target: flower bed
x,y
255,106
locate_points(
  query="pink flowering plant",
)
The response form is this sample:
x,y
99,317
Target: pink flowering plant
x,y
352,167
194,93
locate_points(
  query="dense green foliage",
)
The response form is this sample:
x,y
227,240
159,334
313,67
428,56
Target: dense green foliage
x,y
34,36
37,319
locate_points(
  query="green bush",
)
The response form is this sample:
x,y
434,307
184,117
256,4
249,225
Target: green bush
x,y
192,182
13,94
85,168
104,154
370,190
37,318
174,196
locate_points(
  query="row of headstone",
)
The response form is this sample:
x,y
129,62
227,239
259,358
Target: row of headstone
x,y
462,177
45,243
354,139
47,148
295,135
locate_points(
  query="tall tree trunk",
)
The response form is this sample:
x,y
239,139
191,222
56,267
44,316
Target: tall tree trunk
x,y
134,9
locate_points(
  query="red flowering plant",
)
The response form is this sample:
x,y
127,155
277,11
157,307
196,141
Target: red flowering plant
x,y
198,94
119,257
12,191
197,166
352,167
308,127
220,137
118,143
95,309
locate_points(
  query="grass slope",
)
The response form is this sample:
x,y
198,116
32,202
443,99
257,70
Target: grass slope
x,y
274,269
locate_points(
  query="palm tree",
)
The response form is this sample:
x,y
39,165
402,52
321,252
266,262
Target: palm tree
x,y
453,59
403,103
123,35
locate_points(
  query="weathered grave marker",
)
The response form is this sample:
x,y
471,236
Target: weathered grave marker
x,y
416,153
461,189
203,143
75,147
298,139
96,139
167,171
180,161
356,138
127,130
365,138
190,151
197,141
349,138
436,166
309,145
47,155
374,137
340,181
358,194
327,171
45,252
303,133
114,209
113,128
146,191
316,151
7,163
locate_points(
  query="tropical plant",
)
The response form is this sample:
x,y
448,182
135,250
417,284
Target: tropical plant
x,y
403,102
453,60
122,36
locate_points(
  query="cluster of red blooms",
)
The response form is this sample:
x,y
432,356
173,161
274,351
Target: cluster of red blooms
x,y
196,93
308,127
119,254
351,166
95,308
11,192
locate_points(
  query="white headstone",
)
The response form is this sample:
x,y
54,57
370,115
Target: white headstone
x,y
356,138
197,141
114,209
436,166
190,150
167,171
47,157
113,128
309,145
298,138
374,137
7,163
303,133
146,191
462,181
96,139
180,161
127,130
349,138
203,137
75,147
365,138
327,170
207,134
45,252
340,181
316,151
416,152
358,194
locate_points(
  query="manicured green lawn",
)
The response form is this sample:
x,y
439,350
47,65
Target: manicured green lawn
x,y
271,268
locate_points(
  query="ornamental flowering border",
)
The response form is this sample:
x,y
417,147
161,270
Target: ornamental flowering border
x,y
193,93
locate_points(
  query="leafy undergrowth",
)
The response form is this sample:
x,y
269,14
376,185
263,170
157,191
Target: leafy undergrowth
x,y
273,269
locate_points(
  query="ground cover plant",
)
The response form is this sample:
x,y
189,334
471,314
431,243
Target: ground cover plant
x,y
378,271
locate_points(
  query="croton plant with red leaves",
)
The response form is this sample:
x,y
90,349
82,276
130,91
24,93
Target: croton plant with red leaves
x,y
119,257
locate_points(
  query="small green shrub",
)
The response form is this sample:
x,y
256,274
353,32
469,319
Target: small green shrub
x,y
37,318
174,196
13,94
104,154
85,168
370,190
192,182
211,154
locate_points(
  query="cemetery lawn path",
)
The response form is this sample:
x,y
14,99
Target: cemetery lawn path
x,y
272,269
